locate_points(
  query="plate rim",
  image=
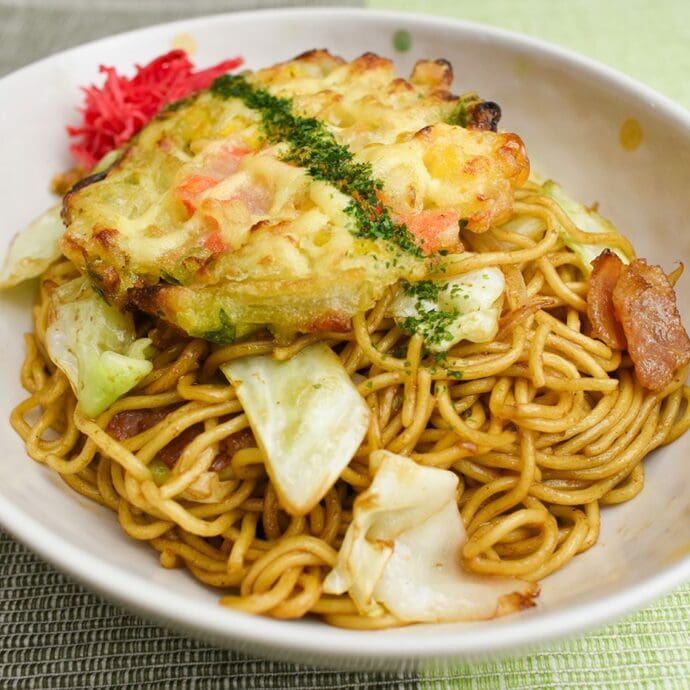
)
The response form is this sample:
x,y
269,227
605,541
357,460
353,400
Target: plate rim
x,y
321,642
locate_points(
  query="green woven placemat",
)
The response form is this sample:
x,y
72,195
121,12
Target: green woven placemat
x,y
55,634
649,649
32,29
649,40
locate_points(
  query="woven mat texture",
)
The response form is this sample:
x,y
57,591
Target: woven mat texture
x,y
32,29
54,634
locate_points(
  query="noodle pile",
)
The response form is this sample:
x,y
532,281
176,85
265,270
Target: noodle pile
x,y
543,426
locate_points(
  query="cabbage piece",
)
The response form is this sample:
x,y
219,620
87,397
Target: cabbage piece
x,y
447,311
33,249
208,487
95,346
529,226
307,417
401,552
106,161
586,220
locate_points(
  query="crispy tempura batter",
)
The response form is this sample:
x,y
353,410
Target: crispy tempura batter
x,y
243,207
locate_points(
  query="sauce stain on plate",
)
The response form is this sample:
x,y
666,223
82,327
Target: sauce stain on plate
x,y
184,42
631,134
678,554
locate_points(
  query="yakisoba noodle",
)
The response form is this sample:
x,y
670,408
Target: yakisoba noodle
x,y
543,426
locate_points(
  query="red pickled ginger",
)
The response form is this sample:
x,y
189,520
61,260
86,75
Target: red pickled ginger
x,y
113,113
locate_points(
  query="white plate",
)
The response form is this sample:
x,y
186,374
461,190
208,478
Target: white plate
x,y
570,112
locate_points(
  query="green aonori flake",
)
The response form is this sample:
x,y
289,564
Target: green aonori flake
x,y
402,41
432,324
424,289
314,148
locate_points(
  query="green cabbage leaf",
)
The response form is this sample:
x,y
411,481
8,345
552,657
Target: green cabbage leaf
x,y
95,345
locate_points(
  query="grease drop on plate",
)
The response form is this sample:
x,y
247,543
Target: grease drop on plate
x,y
631,134
184,42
